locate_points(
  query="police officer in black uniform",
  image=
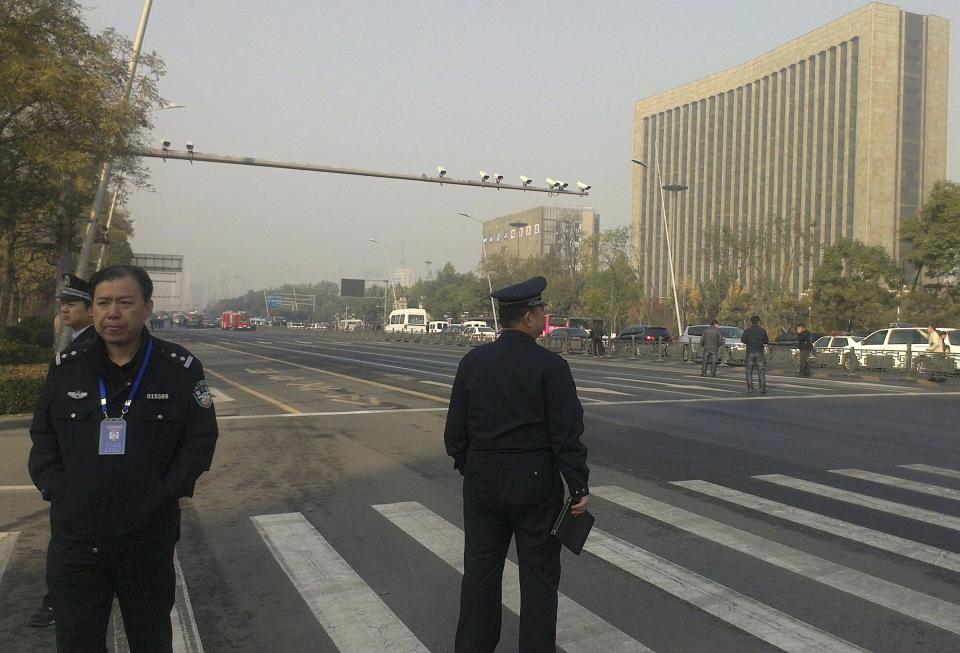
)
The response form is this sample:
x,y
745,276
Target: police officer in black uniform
x,y
513,429
124,427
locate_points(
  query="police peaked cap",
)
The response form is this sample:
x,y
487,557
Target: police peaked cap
x,y
75,288
526,294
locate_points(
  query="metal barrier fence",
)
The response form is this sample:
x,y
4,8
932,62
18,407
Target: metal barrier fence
x,y
895,361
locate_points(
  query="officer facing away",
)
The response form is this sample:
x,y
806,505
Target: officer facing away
x,y
124,427
513,428
755,338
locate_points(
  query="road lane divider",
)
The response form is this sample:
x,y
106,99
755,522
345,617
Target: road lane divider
x,y
7,542
351,613
339,375
933,469
259,395
878,540
878,591
578,629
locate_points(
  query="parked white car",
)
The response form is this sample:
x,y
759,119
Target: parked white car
x,y
477,335
886,348
690,338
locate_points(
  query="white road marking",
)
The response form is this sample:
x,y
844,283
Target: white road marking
x,y
18,488
668,385
355,618
355,360
7,542
760,620
219,396
891,507
437,383
332,413
899,545
898,598
578,629
604,391
768,397
932,469
902,483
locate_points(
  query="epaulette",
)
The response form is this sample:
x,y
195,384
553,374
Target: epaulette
x,y
75,351
174,353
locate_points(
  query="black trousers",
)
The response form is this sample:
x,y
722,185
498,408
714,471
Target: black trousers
x,y
504,496
83,583
804,362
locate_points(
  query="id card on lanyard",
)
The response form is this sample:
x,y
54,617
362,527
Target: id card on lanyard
x,y
113,430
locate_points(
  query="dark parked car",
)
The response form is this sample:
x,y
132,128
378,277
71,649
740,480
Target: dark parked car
x,y
570,333
452,330
642,333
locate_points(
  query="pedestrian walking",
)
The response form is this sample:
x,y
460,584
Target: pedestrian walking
x,y
935,341
124,427
805,344
513,429
710,342
755,338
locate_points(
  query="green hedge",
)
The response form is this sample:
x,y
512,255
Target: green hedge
x,y
21,353
31,331
20,387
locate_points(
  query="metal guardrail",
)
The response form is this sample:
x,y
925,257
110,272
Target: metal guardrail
x,y
905,363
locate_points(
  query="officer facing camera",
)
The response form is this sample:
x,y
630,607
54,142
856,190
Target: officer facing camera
x,y
513,430
124,427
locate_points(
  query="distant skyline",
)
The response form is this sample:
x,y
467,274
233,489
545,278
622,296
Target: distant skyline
x,y
518,90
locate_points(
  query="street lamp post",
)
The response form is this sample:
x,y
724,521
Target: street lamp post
x,y
672,188
486,268
518,226
386,258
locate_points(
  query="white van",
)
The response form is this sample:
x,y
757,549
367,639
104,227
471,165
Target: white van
x,y
437,326
474,323
350,325
408,320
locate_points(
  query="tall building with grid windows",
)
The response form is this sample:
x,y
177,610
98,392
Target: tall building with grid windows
x,y
542,231
839,133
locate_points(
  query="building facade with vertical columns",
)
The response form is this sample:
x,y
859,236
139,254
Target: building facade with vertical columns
x,y
839,133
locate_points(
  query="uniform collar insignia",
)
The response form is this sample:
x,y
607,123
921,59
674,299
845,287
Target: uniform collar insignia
x,y
77,394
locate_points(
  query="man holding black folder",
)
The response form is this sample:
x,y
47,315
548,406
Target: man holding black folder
x,y
513,428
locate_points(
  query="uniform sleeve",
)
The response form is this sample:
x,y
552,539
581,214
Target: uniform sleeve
x,y
197,441
455,436
565,426
45,463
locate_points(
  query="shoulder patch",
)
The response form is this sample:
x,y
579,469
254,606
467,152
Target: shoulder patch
x,y
201,393
174,353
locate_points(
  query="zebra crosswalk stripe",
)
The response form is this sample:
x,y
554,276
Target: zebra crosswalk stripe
x,y
857,499
7,542
578,629
355,618
892,543
900,599
761,621
902,483
933,469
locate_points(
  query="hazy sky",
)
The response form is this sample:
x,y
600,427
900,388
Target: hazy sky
x,y
542,89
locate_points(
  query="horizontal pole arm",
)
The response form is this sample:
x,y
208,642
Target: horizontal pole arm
x,y
180,155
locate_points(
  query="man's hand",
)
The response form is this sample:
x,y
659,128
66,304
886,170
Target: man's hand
x,y
580,506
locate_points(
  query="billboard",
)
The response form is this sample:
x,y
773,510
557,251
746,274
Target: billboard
x,y
352,288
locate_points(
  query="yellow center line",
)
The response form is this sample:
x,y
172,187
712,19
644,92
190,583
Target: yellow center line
x,y
279,404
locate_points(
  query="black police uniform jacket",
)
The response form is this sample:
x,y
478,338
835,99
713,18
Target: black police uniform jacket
x,y
118,501
512,395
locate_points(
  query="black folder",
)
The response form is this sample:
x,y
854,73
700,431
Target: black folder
x,y
572,531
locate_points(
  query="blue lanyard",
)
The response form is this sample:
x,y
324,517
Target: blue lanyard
x,y
133,389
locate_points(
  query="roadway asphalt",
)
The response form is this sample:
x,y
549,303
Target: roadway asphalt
x,y
725,522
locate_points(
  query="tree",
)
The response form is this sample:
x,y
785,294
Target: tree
x,y
854,287
933,236
59,118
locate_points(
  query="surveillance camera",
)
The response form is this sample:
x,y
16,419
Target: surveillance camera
x,y
484,176
189,146
584,187
526,181
553,183
563,185
166,144
499,178
441,171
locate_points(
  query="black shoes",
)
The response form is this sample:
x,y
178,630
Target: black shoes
x,y
44,616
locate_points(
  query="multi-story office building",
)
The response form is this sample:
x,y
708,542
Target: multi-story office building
x,y
540,231
838,133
